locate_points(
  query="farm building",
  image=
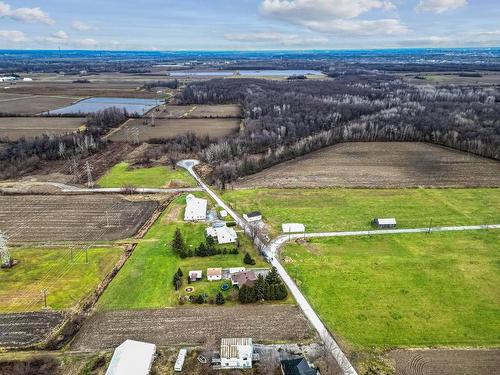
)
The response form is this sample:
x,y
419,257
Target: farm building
x,y
223,234
179,363
297,366
195,275
252,216
385,223
214,274
247,278
236,353
293,228
196,208
132,358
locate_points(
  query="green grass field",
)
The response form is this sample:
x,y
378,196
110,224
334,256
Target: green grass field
x,y
121,175
353,209
67,281
146,279
412,290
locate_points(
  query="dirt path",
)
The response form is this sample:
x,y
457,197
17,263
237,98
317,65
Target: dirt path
x,y
192,325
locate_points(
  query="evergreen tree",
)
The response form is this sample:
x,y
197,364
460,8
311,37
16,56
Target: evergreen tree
x,y
246,294
177,281
247,259
201,250
179,272
260,288
219,299
200,299
178,244
210,241
273,277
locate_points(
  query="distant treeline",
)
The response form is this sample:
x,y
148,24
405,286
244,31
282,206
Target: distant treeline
x,y
286,119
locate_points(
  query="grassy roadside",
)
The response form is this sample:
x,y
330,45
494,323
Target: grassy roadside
x,y
353,209
121,175
414,290
67,281
145,281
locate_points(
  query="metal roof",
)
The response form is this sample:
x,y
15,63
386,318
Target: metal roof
x,y
132,358
235,347
386,221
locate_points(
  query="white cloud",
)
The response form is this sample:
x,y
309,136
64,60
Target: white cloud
x,y
274,37
13,36
87,42
334,16
80,25
29,15
439,6
62,35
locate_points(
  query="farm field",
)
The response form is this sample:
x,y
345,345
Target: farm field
x,y
325,210
32,104
200,111
187,325
122,175
66,280
166,128
446,362
14,128
145,281
415,290
84,218
380,164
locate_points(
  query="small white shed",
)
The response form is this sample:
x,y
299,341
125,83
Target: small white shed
x,y
293,228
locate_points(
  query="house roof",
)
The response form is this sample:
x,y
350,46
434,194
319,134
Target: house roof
x,y
195,207
244,277
235,347
297,366
386,221
132,358
253,214
214,271
196,272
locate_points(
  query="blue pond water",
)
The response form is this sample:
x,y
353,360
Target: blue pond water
x,y
257,73
132,105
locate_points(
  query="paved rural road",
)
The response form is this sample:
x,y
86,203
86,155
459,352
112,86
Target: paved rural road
x,y
324,334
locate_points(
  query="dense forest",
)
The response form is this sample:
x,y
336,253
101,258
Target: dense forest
x,y
286,119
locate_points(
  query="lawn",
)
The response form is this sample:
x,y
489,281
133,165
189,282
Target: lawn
x,y
67,281
145,281
122,175
353,209
412,290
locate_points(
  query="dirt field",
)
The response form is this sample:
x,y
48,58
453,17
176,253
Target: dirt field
x,y
32,104
451,78
193,325
165,128
380,164
13,128
200,111
446,362
22,329
85,218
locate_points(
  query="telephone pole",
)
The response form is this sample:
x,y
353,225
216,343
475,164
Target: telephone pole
x,y
88,168
5,258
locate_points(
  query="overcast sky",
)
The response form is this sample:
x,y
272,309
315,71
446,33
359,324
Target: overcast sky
x,y
247,24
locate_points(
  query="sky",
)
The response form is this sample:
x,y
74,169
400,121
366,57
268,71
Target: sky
x,y
165,25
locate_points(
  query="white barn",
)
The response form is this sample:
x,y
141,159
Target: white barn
x,y
236,353
132,358
196,208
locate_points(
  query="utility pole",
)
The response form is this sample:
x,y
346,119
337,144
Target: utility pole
x,y
88,168
5,258
430,225
44,293
152,118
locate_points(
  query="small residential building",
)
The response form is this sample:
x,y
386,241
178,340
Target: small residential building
x,y
222,234
179,363
214,274
385,222
223,214
196,208
132,358
297,366
247,278
236,353
252,216
195,275
293,228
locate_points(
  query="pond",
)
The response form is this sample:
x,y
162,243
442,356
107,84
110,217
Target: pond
x,y
251,73
91,105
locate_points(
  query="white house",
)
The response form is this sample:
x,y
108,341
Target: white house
x,y
236,353
179,363
252,216
214,274
196,208
293,228
132,358
223,234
